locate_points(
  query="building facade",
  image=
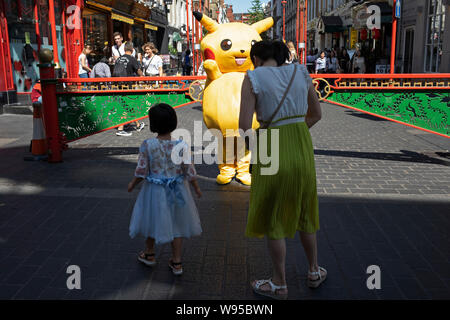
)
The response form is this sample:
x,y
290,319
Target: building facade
x,y
423,31
423,40
65,26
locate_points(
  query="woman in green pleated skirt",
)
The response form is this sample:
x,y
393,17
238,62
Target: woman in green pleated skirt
x,y
282,201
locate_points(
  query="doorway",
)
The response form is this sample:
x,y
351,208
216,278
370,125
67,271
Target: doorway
x,y
408,50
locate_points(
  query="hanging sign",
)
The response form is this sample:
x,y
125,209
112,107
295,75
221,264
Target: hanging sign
x,y
398,9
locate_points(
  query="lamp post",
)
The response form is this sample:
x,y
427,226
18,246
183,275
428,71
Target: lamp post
x,y
284,20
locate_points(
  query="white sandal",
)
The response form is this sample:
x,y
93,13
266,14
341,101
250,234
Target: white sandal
x,y
273,290
316,282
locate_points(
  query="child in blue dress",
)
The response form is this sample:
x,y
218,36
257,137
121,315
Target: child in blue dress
x,y
165,210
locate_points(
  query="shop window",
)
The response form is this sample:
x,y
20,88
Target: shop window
x,y
138,36
434,36
95,33
22,43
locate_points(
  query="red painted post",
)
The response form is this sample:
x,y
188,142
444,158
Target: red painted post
x,y
305,33
394,38
51,18
36,25
48,84
284,20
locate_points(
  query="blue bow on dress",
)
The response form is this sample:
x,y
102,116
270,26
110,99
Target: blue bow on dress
x,y
172,186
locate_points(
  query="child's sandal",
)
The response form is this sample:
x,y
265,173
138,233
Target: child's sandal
x,y
176,271
144,258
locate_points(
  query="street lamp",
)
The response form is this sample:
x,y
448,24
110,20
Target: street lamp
x,y
284,20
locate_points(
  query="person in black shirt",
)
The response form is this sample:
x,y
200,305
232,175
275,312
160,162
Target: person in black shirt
x,y
128,66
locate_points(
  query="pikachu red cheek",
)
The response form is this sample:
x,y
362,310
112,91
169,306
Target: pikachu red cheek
x,y
209,54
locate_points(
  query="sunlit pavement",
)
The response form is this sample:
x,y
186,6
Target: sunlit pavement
x,y
384,200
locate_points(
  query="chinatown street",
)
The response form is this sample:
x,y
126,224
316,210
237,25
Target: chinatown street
x,y
384,200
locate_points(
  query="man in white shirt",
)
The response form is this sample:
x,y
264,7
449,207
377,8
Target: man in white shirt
x,y
118,49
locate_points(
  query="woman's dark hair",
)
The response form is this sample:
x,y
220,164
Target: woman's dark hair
x,y
163,118
266,50
188,51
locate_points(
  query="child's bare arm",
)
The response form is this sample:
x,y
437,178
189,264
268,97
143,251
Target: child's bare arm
x,y
134,183
196,187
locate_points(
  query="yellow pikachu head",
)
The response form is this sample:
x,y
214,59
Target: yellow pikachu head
x,y
229,44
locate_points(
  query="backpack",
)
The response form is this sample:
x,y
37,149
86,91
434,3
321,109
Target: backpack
x,y
120,68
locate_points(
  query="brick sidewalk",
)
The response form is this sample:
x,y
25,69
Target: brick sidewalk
x,y
383,192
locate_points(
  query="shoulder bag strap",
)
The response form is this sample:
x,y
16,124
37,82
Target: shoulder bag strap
x,y
148,65
268,122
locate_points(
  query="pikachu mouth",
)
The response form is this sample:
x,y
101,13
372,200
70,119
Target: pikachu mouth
x,y
240,61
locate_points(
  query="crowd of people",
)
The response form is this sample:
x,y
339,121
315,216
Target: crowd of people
x,y
336,61
121,60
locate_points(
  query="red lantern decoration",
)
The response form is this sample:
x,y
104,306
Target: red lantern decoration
x,y
376,33
337,35
363,34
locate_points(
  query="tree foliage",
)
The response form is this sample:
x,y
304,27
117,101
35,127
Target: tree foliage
x,y
256,12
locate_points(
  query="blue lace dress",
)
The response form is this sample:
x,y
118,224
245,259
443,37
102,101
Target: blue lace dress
x,y
165,208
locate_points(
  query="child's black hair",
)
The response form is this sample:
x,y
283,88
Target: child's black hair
x,y
163,118
266,50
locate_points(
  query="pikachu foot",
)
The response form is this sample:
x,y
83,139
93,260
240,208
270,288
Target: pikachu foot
x,y
227,173
245,178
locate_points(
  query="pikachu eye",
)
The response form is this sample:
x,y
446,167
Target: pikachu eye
x,y
253,42
226,44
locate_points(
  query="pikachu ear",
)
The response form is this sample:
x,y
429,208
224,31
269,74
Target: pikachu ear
x,y
207,22
263,25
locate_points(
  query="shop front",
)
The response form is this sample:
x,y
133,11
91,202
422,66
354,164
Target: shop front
x,y
26,29
374,43
65,26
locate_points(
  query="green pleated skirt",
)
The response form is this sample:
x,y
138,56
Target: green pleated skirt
x,y
285,202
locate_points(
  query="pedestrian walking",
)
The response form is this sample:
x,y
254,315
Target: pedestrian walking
x,y
311,61
344,60
127,66
101,69
118,49
187,63
152,64
286,202
165,210
332,63
83,65
293,57
321,63
359,63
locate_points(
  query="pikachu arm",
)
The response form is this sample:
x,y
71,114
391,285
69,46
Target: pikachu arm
x,y
212,69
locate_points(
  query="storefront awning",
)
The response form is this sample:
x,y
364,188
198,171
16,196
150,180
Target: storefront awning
x,y
98,5
151,27
122,18
330,24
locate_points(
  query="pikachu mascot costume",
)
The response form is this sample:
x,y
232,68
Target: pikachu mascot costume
x,y
226,56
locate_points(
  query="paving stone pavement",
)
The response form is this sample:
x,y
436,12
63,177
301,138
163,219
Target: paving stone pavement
x,y
384,200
